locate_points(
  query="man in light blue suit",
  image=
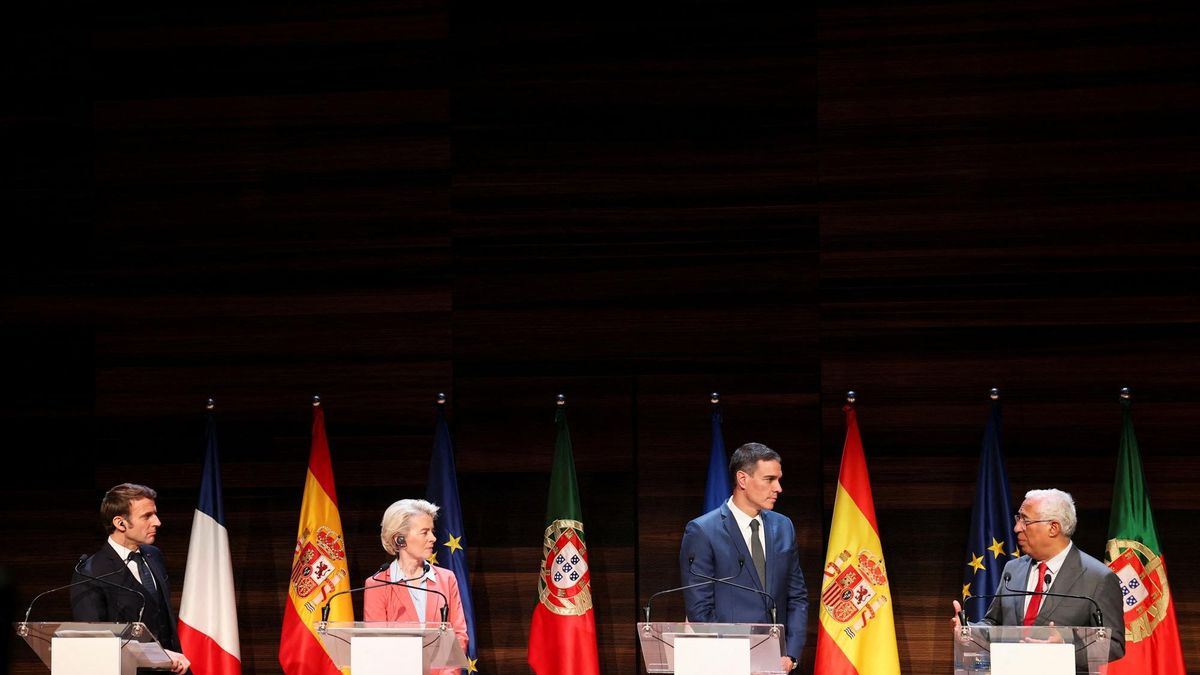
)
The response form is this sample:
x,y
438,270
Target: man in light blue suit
x,y
745,540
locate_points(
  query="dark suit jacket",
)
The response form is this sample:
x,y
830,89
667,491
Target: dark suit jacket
x,y
97,601
1080,574
716,545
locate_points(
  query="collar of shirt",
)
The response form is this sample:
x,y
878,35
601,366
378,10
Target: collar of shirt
x,y
743,522
396,574
123,554
1053,565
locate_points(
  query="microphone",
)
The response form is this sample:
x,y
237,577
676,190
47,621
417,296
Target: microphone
x,y
1098,615
325,608
691,560
741,566
82,559
123,568
445,609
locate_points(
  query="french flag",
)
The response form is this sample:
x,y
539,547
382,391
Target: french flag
x,y
208,630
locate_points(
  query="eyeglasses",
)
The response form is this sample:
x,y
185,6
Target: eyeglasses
x,y
1018,518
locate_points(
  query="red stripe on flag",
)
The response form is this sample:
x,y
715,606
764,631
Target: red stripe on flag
x,y
558,642
831,660
300,652
206,655
319,463
853,475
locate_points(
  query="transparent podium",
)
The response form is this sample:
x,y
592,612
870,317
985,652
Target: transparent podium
x,y
391,647
711,648
81,648
1046,650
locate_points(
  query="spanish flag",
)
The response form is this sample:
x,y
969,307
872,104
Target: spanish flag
x,y
318,566
857,633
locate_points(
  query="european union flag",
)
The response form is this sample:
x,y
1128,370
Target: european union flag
x,y
992,542
717,489
451,549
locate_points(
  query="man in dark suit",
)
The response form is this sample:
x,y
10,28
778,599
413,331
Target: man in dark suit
x,y
1044,525
746,540
137,571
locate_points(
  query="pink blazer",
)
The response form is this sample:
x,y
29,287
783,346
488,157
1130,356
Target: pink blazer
x,y
394,603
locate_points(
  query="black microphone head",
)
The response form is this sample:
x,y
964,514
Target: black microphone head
x,y
741,561
691,558
1046,579
383,567
426,567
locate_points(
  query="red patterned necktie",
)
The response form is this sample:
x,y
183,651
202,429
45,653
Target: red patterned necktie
x,y
1035,602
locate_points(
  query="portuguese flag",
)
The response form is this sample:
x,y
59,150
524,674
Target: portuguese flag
x,y
857,634
562,636
1133,552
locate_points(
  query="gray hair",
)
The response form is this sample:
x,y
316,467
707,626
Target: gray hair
x,y
1057,505
398,517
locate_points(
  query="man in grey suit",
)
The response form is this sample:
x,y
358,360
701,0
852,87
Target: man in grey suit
x,y
1044,525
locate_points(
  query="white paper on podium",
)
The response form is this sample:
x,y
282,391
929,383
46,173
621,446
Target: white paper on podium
x,y
711,655
1020,658
386,655
93,656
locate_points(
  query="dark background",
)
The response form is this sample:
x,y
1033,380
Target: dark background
x,y
633,204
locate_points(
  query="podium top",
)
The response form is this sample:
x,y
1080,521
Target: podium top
x,y
136,639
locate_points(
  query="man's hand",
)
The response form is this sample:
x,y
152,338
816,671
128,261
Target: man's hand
x,y
179,662
954,619
787,663
1055,638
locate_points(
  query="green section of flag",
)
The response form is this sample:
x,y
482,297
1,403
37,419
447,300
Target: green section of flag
x,y
563,502
1131,517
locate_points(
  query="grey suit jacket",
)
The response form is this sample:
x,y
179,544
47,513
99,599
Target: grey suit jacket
x,y
1080,574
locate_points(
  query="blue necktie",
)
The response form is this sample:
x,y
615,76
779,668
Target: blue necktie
x,y
144,572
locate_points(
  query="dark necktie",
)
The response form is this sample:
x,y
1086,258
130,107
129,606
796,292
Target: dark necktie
x,y
1035,602
756,552
144,572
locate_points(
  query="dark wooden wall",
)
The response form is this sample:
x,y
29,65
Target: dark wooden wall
x,y
630,204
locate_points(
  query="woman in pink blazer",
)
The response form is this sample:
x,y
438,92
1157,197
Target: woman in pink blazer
x,y
407,533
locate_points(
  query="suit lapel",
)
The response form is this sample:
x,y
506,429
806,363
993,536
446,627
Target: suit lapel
x,y
1069,573
1020,581
739,542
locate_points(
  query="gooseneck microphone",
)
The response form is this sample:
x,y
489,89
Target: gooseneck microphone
x,y
741,565
691,561
82,559
101,579
403,583
325,607
1098,615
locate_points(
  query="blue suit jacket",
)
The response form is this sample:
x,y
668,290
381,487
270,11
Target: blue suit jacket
x,y
97,601
713,546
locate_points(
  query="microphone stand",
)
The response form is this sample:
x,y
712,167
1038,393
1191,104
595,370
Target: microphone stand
x,y
445,608
101,579
325,607
649,600
692,569
1098,615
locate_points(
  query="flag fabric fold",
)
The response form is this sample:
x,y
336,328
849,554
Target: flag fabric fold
x,y
562,634
857,633
717,488
319,567
208,628
991,542
1151,632
451,549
